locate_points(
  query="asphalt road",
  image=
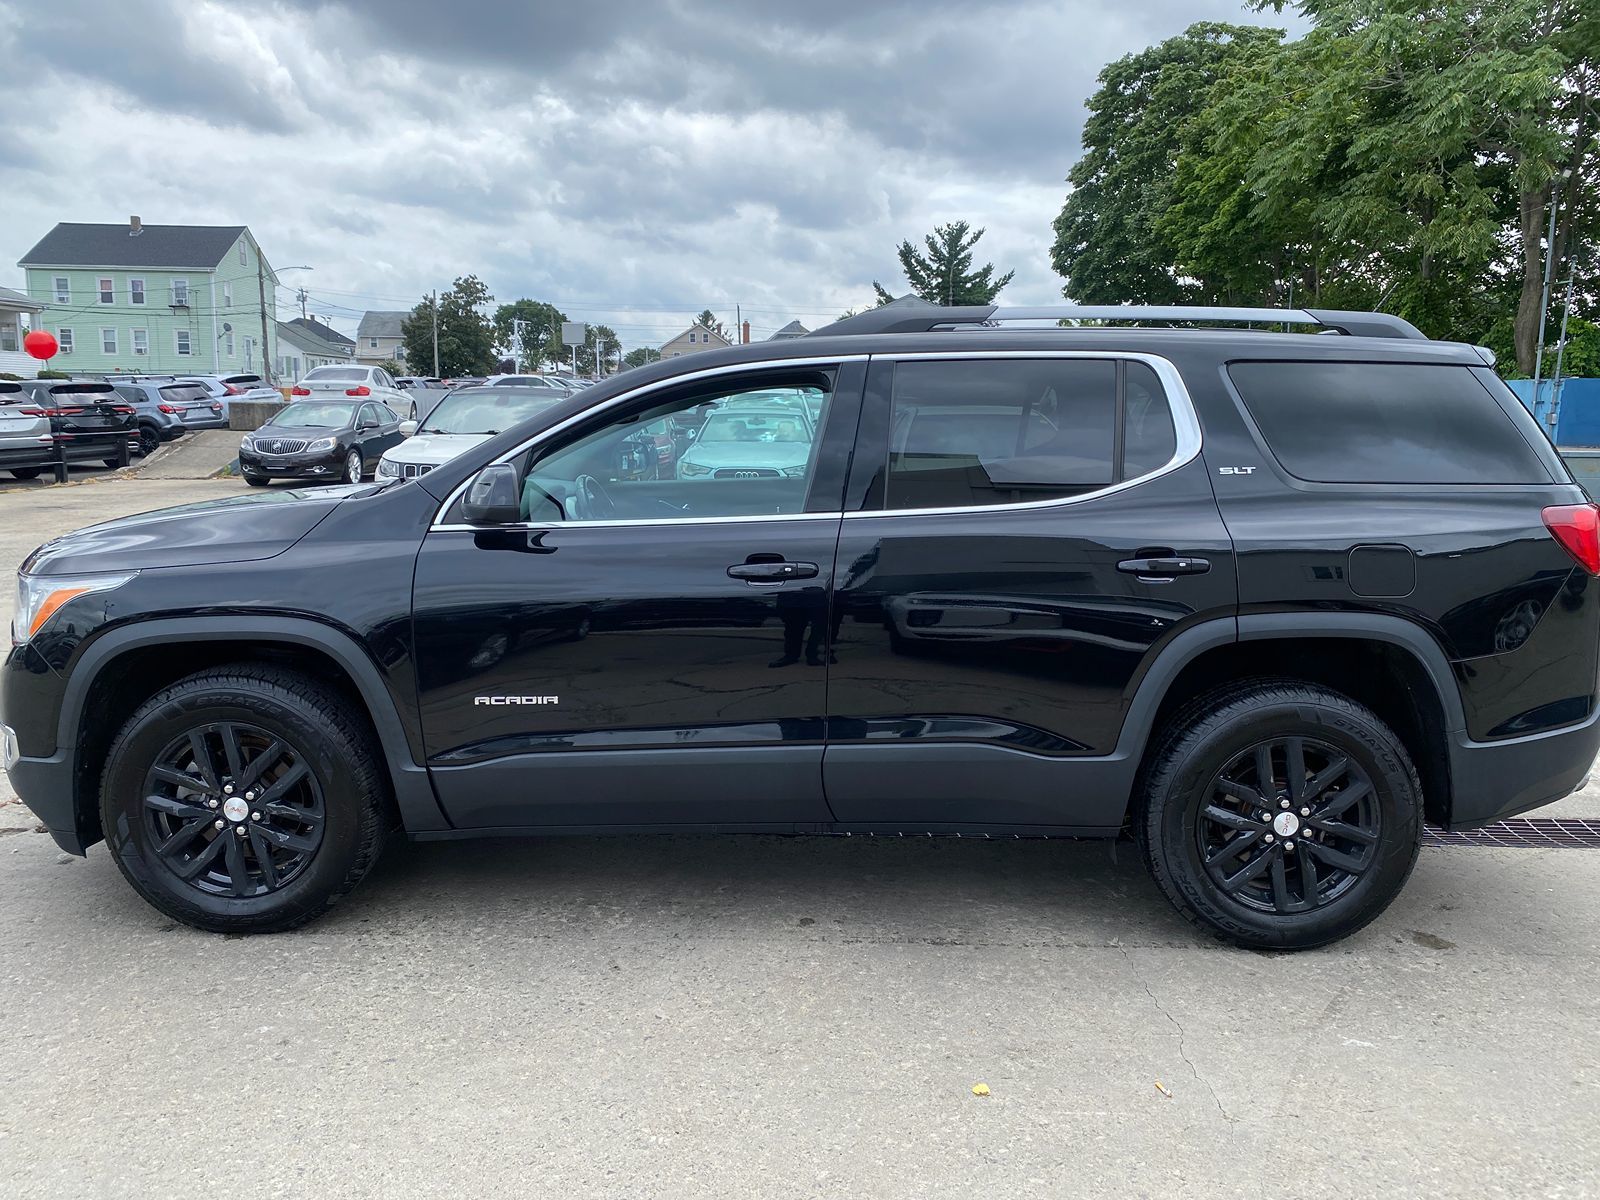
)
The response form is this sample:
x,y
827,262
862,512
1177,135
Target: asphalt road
x,y
687,1016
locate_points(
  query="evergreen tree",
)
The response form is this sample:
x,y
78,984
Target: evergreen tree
x,y
944,274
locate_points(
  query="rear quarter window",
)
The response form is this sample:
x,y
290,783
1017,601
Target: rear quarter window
x,y
1354,422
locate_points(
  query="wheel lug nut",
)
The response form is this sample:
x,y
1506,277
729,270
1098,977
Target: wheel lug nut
x,y
227,788
1288,845
1305,812
239,829
249,795
1269,837
1283,804
222,824
213,802
1267,817
255,816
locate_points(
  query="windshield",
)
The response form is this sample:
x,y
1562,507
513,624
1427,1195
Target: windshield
x,y
344,373
485,411
753,427
314,416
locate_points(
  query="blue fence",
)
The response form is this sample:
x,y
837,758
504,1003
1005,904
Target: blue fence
x,y
1577,408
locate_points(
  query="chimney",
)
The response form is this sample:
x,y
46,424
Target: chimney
x,y
135,227
744,332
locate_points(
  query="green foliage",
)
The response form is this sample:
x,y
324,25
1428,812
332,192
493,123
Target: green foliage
x,y
1398,156
709,320
395,368
9,377
53,375
943,275
641,356
605,338
1107,244
466,336
541,337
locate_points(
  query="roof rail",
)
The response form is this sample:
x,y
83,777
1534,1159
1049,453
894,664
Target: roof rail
x,y
913,315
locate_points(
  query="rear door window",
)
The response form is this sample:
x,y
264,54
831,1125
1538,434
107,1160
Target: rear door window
x,y
1354,422
967,433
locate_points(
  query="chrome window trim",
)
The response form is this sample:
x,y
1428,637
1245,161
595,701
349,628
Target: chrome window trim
x,y
1185,421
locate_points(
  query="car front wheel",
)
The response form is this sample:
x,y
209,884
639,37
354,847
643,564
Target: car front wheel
x,y
1280,815
353,468
244,799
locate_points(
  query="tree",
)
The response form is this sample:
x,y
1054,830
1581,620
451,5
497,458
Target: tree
x,y
641,356
393,367
709,320
1107,244
943,275
541,334
466,336
1471,111
609,346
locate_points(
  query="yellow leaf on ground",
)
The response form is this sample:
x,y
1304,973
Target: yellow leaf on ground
x,y
980,1089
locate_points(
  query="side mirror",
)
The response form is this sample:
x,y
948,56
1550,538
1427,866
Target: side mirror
x,y
408,427
493,498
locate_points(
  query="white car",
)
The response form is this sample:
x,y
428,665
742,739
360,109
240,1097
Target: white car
x,y
224,388
462,420
530,381
353,382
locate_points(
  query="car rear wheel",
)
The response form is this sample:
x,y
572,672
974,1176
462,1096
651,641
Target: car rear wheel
x,y
26,472
149,440
244,799
353,468
1279,815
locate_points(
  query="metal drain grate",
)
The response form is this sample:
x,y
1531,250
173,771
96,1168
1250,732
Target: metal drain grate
x,y
1533,833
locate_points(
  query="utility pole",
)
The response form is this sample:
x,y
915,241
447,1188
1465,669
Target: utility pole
x,y
1561,350
1544,298
435,307
302,297
261,290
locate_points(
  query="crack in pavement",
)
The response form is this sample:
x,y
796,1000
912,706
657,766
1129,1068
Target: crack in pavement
x,y
1183,1049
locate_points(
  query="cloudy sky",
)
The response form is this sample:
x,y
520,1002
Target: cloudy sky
x,y
631,163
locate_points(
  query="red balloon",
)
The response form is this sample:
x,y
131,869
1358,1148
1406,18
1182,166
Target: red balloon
x,y
41,344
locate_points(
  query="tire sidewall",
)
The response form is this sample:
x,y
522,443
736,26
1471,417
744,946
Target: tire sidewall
x,y
155,727
361,466
1175,817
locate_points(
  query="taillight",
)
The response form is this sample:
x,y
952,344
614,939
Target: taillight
x,y
299,391
359,390
229,389
1577,528
166,408
38,412
122,410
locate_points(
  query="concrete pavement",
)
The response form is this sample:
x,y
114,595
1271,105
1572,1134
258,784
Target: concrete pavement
x,y
778,1017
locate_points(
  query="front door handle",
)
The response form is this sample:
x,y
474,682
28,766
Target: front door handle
x,y
1164,568
772,572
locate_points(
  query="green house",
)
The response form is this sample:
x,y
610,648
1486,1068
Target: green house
x,y
154,299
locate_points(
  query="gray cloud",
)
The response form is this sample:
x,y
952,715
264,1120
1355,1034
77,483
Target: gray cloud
x,y
631,162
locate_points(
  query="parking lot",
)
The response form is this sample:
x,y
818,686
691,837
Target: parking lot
x,y
780,1017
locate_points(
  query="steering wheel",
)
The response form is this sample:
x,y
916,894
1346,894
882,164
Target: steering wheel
x,y
593,502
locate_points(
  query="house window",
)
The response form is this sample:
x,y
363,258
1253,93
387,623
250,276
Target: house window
x,y
373,343
141,341
135,291
8,338
227,295
227,344
107,292
63,289
180,293
64,338
691,337
108,341
180,342
243,252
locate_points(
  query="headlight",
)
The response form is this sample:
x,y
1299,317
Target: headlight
x,y
247,442
388,468
689,470
39,597
321,444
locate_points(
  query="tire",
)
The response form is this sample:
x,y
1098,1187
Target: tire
x,y
321,828
1200,837
149,440
255,482
354,468
26,472
113,463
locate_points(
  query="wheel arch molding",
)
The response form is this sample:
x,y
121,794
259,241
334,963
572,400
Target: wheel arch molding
x,y
413,791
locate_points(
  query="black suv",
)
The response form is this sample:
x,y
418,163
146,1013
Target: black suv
x,y
1265,600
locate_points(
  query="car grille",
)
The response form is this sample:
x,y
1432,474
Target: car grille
x,y
412,470
745,473
281,445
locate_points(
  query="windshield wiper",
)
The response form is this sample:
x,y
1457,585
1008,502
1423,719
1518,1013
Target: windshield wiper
x,y
444,431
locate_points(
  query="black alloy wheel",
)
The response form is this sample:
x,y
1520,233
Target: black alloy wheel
x,y
1290,825
149,440
233,810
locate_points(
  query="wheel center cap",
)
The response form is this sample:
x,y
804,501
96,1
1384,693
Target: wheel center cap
x,y
236,810
1286,824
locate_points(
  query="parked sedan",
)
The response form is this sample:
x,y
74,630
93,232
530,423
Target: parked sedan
x,y
462,420
333,440
352,382
749,443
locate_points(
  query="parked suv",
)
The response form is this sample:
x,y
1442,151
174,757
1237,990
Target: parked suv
x,y
1266,601
86,421
166,411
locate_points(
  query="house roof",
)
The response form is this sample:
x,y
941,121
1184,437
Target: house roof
x,y
300,333
792,330
697,328
18,301
381,324
194,247
320,331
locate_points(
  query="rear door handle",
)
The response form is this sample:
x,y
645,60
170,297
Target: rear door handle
x,y
772,572
1164,568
